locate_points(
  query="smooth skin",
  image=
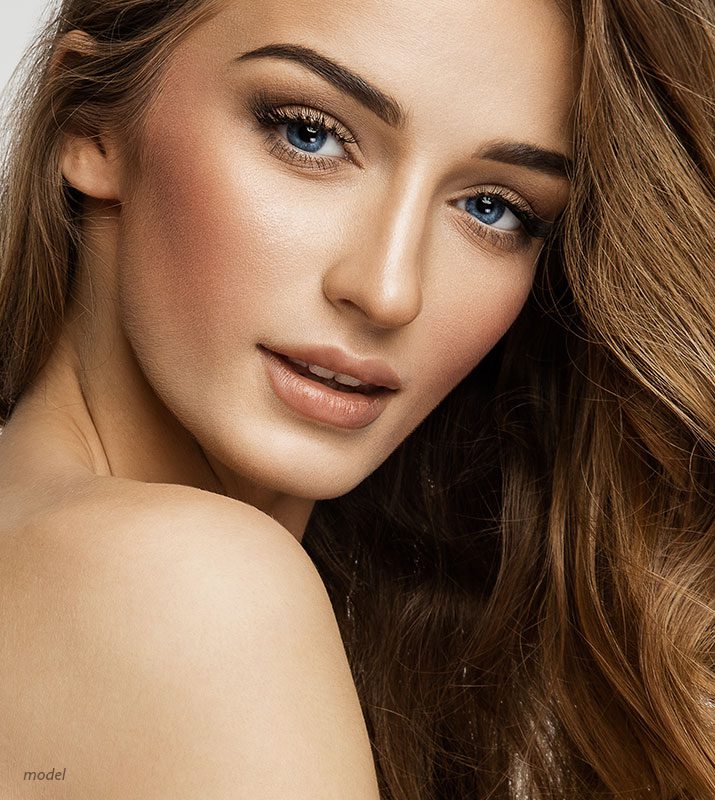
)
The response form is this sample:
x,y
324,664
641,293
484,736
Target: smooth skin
x,y
167,627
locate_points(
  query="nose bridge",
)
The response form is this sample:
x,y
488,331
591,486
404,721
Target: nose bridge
x,y
380,269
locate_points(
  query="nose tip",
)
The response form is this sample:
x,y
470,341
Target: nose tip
x,y
386,290
386,311
377,268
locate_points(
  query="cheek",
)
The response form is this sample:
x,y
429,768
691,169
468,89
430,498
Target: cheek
x,y
208,240
459,339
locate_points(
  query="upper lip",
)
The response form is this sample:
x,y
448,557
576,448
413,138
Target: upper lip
x,y
367,370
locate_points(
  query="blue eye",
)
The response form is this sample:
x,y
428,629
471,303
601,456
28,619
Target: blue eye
x,y
490,210
309,136
306,130
302,133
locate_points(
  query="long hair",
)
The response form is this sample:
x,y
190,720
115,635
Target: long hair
x,y
110,82
525,586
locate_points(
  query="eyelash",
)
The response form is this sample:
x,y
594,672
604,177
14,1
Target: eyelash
x,y
270,116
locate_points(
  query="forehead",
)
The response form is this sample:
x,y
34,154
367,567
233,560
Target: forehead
x,y
500,69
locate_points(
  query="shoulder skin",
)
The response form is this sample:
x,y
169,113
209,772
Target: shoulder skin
x,y
180,646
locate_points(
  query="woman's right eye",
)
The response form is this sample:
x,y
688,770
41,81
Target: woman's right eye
x,y
305,135
311,138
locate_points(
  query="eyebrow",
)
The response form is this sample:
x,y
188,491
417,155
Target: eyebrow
x,y
389,110
528,155
377,101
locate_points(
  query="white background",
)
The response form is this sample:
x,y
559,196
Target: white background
x,y
19,19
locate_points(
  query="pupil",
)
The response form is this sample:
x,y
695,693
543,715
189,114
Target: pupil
x,y
486,203
486,208
306,136
312,132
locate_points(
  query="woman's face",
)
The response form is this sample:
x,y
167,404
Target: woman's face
x,y
282,204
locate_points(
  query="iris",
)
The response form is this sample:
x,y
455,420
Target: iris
x,y
486,208
306,136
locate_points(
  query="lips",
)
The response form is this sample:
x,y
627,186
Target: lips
x,y
317,401
363,388
330,357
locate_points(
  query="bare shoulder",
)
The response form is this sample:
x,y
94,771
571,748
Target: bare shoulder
x,y
174,643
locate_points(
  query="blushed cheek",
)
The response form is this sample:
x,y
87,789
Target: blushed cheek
x,y
460,340
206,241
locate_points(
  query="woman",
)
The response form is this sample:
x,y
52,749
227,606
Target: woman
x,y
231,569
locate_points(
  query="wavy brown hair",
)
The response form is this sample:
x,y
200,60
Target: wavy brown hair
x,y
525,586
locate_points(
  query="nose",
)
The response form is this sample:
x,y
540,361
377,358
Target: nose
x,y
377,272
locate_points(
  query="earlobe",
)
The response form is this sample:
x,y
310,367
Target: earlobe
x,y
91,167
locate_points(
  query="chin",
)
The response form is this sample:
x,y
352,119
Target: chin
x,y
316,482
309,474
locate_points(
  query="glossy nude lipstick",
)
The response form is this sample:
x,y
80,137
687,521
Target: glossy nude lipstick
x,y
312,397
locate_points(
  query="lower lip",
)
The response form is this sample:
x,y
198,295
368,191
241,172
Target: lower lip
x,y
319,402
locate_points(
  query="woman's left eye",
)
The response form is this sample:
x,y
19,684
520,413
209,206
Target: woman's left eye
x,y
491,210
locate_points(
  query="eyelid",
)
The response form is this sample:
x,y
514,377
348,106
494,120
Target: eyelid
x,y
508,241
315,162
319,118
263,103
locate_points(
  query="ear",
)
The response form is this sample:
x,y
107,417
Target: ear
x,y
91,166
89,160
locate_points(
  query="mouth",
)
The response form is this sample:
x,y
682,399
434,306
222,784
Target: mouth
x,y
364,389
322,399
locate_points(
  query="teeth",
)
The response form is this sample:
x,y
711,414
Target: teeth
x,y
321,372
339,377
348,380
